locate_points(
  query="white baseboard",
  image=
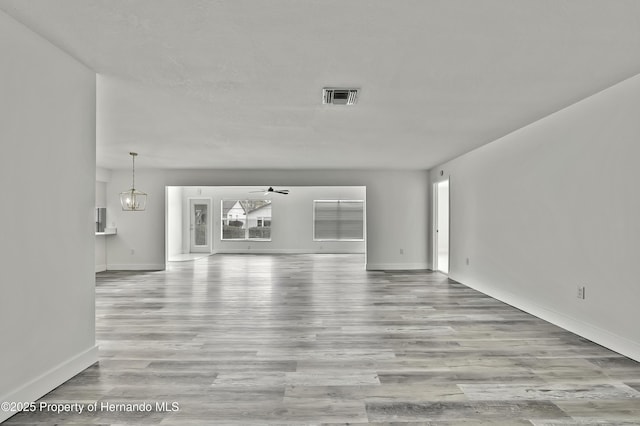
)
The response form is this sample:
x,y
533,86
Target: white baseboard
x,y
45,383
396,266
136,267
285,251
100,268
620,344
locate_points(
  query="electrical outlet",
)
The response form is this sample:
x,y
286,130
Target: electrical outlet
x,y
133,251
467,261
249,247
401,251
581,292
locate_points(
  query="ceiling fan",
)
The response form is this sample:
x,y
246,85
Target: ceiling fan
x,y
270,190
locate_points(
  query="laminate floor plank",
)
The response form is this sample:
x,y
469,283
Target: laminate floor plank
x,y
316,339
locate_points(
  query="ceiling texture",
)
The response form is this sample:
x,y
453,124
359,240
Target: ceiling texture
x,y
237,84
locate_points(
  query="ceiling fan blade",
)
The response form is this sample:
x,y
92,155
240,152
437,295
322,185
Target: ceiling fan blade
x,y
270,190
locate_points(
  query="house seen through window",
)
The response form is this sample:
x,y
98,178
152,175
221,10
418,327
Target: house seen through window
x,y
246,220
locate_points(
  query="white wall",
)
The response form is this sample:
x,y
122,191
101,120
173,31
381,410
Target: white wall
x,y
102,175
292,222
47,132
386,190
174,220
101,194
556,205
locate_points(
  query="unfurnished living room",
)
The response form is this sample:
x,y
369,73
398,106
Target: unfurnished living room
x,y
303,212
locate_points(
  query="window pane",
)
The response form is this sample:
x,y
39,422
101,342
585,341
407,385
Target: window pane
x,y
200,226
260,233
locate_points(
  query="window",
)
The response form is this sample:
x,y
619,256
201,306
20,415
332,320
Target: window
x,y
246,220
338,220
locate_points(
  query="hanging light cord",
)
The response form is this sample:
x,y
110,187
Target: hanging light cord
x,y
133,177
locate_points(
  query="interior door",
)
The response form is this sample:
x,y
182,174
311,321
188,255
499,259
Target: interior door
x,y
441,210
200,225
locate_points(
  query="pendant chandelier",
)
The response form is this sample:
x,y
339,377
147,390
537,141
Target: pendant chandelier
x,y
133,200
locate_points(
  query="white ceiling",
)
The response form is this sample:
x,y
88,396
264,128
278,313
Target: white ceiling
x,y
238,83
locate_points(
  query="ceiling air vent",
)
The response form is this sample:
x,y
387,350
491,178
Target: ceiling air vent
x,y
339,96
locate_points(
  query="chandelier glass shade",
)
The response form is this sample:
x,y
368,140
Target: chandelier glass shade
x,y
133,200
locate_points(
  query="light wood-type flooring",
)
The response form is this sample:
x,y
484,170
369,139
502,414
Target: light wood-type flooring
x,y
316,339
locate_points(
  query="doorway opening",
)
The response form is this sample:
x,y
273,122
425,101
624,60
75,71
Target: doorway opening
x,y
209,220
441,226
